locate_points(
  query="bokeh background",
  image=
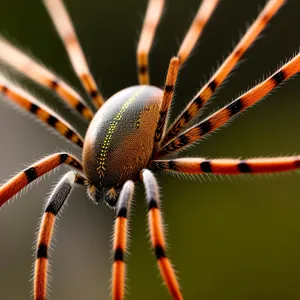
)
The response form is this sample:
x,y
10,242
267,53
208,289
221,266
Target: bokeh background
x,y
229,239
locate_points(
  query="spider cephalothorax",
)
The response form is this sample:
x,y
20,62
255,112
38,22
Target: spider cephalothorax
x,y
128,138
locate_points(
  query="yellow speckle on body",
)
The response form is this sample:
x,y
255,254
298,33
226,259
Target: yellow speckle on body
x,y
111,129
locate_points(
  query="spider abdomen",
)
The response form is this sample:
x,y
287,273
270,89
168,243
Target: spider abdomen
x,y
119,141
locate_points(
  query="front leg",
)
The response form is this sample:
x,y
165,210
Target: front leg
x,y
36,170
56,201
120,241
157,236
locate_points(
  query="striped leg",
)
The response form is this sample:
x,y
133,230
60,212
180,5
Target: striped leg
x,y
38,169
166,100
216,80
38,73
229,166
120,241
224,115
157,235
205,11
44,114
67,33
57,199
153,15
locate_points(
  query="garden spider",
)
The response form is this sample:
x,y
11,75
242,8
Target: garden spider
x,y
206,127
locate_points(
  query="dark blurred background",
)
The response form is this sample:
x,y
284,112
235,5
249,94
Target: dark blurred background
x,y
229,239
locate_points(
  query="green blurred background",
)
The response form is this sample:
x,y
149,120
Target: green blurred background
x,y
229,239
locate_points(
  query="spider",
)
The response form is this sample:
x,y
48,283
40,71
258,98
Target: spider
x,y
135,116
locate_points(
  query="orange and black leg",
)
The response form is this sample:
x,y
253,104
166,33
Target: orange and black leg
x,y
224,115
120,241
26,101
205,10
166,100
229,166
216,80
38,169
153,15
203,14
68,35
56,201
40,74
157,234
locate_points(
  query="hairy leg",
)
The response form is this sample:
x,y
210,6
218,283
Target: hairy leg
x,y
224,115
206,92
40,74
56,201
38,169
157,235
120,241
47,116
68,36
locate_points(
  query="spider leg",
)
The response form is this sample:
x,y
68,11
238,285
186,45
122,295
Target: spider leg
x,y
68,35
229,166
157,235
36,170
40,74
166,100
44,114
56,201
205,10
120,241
216,80
224,115
203,14
153,15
